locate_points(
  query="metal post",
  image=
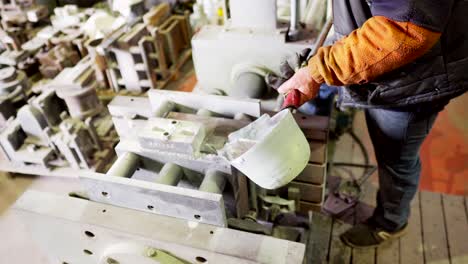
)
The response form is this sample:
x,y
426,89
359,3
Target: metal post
x,y
294,21
170,174
125,165
214,182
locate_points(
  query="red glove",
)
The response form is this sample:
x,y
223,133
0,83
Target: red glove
x,y
294,99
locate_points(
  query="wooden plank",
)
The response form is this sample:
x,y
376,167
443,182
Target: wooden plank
x,y
457,228
411,244
364,256
314,127
339,252
241,193
312,122
316,135
305,207
318,152
389,252
363,211
434,236
466,205
310,192
319,238
313,173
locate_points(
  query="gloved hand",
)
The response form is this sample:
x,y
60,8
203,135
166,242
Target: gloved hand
x,y
294,73
287,69
299,89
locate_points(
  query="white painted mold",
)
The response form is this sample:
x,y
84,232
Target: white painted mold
x,y
271,151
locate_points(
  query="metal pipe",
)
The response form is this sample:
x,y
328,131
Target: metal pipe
x,y
170,174
242,117
204,112
322,37
125,165
294,15
93,133
214,182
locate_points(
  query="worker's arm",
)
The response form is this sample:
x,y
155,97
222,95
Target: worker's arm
x,y
379,46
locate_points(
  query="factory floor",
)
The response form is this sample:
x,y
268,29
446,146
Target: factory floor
x,y
439,221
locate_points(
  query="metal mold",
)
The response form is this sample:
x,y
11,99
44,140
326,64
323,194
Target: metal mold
x,y
55,60
14,85
77,86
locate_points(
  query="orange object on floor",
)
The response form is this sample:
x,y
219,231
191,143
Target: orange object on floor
x,y
444,154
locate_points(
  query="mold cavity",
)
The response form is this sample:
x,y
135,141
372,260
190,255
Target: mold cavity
x,y
88,252
200,259
211,232
150,207
198,217
174,122
104,210
89,234
105,194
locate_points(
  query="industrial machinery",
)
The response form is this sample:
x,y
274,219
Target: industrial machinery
x,y
235,57
65,126
144,56
17,19
188,158
204,178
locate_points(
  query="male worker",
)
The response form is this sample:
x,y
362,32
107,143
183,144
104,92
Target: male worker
x,y
401,60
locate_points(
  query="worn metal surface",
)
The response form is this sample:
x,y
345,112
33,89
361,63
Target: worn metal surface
x,y
14,84
156,198
54,60
222,105
79,231
77,87
145,55
44,135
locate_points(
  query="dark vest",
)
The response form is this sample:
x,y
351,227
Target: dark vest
x,y
439,75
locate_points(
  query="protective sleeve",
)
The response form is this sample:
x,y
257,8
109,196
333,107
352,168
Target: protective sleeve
x,y
379,46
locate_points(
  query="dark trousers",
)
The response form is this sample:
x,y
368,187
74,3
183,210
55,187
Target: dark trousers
x,y
397,136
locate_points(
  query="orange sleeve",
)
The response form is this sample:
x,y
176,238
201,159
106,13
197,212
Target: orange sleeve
x,y
379,46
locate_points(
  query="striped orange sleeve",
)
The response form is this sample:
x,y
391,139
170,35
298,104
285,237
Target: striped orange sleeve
x,y
379,46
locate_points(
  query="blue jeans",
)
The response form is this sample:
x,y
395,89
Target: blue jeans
x,y
397,136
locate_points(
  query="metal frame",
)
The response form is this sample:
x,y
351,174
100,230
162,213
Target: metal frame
x,y
79,231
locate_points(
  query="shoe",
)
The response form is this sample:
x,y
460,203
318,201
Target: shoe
x,y
367,236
